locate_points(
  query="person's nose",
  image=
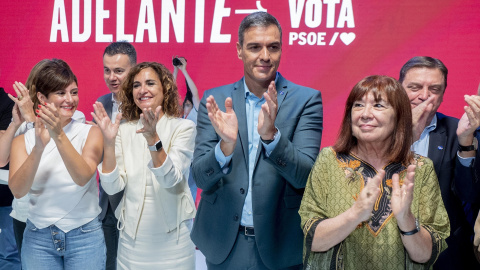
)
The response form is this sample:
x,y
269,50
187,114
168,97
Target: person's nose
x,y
111,76
265,54
142,89
68,97
424,93
367,112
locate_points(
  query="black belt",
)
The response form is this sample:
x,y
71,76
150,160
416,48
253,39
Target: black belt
x,y
248,231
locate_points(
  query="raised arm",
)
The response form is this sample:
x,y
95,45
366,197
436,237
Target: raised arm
x,y
23,166
81,167
176,165
295,152
332,231
213,127
109,131
6,137
22,111
190,83
467,177
418,245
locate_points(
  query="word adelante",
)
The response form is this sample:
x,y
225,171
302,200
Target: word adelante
x,y
79,25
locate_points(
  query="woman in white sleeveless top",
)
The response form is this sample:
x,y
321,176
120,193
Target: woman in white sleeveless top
x,y
149,157
55,163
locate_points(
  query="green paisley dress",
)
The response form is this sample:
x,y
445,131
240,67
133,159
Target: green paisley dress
x,y
333,186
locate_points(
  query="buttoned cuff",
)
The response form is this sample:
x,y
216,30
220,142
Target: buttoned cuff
x,y
467,162
271,146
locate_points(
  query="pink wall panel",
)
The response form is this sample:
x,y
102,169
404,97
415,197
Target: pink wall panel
x,y
357,38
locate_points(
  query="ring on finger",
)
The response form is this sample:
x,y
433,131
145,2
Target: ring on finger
x,y
20,97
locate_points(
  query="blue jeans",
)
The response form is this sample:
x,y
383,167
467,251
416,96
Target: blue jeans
x,y
9,258
51,248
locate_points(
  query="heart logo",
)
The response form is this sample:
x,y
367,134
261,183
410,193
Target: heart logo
x,y
347,38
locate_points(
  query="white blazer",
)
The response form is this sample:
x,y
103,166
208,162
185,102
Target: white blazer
x,y
134,166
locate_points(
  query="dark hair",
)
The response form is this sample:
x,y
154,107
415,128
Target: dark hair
x,y
257,19
402,137
426,62
188,97
128,107
122,47
47,76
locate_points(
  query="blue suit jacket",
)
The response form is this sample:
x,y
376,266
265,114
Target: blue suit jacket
x,y
105,199
467,180
278,180
442,150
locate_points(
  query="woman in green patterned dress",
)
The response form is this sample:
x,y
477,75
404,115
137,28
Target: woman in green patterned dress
x,y
370,203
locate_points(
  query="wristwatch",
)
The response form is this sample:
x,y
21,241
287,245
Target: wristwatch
x,y
269,141
412,232
474,146
30,125
156,147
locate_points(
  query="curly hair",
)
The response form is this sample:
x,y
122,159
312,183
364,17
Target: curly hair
x,y
170,106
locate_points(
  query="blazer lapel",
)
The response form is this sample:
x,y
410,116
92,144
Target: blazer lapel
x,y
108,107
437,146
238,99
282,90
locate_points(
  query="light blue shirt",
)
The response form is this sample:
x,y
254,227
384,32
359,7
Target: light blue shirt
x,y
253,105
421,145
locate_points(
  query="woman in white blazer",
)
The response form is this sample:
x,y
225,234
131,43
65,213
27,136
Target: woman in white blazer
x,y
148,155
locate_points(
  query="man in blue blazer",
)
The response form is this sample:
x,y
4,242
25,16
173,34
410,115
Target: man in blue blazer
x,y
449,144
118,58
254,151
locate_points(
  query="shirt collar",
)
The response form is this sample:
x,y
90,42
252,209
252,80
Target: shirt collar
x,y
433,124
113,100
247,91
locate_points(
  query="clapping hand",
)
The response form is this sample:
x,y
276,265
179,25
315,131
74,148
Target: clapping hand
x,y
366,199
470,120
42,137
402,197
23,102
109,129
224,123
17,118
149,120
50,117
266,117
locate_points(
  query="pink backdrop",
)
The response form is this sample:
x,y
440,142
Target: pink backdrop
x,y
342,41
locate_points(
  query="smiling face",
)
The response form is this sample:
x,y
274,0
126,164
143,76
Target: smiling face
x,y
115,69
372,120
147,89
261,52
65,100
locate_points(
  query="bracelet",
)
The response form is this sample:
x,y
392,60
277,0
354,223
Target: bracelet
x,y
412,232
269,141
